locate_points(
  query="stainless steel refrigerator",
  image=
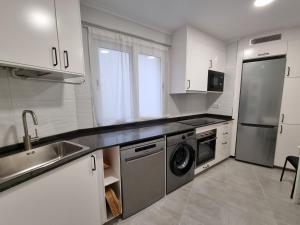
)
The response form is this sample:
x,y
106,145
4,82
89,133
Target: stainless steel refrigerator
x,y
259,110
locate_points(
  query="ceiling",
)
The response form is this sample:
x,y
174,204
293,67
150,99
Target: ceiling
x,y
225,19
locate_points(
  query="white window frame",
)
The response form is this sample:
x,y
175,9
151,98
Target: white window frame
x,y
133,58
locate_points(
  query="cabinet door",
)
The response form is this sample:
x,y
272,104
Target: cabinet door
x,y
66,195
217,59
197,62
290,106
266,50
287,141
28,34
293,59
70,35
223,142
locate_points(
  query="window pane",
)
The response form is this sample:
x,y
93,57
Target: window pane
x,y
115,87
150,88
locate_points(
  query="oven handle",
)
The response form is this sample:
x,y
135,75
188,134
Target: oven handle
x,y
208,141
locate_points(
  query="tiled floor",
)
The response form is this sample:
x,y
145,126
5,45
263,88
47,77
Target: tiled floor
x,y
231,193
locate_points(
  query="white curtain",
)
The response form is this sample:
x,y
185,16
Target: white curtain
x,y
127,77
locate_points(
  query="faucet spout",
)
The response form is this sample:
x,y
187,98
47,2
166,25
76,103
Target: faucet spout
x,y
27,138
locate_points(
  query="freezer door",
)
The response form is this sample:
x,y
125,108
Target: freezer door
x,y
261,91
256,144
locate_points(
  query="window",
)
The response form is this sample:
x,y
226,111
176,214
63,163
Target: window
x,y
128,78
115,86
150,91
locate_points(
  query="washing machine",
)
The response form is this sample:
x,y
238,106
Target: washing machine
x,y
181,151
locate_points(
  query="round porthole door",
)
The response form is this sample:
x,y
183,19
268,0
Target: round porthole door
x,y
182,159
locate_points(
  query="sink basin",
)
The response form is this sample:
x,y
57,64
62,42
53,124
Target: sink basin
x,y
17,164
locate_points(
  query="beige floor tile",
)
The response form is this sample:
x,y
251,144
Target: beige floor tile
x,y
231,193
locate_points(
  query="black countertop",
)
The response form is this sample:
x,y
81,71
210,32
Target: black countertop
x,y
100,138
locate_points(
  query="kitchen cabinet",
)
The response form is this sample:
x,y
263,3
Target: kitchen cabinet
x,y
70,35
112,179
66,195
223,141
193,53
42,35
290,107
288,140
293,60
263,50
28,34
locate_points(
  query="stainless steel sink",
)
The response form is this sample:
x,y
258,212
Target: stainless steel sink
x,y
17,164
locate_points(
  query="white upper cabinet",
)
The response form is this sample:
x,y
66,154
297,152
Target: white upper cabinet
x,y
70,35
193,53
274,48
42,34
290,106
293,59
29,34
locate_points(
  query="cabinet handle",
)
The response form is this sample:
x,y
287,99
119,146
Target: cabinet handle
x,y
211,64
288,71
66,57
224,143
281,129
189,84
225,133
94,163
54,56
282,118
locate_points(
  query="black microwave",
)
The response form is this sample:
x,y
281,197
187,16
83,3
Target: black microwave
x,y
215,81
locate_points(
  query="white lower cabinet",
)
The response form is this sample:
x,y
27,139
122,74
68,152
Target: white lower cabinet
x,y
287,141
223,141
222,144
68,195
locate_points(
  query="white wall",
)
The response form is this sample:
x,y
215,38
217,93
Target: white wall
x,y
104,19
54,105
176,104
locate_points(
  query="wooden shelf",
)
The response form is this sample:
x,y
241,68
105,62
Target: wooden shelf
x,y
109,177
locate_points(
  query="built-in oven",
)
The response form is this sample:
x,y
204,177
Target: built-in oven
x,y
215,81
206,147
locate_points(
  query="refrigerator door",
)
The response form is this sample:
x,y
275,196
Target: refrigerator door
x,y
261,91
256,144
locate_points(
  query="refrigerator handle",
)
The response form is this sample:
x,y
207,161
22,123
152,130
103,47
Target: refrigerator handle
x,y
282,117
281,129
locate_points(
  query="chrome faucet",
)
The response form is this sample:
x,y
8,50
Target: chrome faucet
x,y
27,138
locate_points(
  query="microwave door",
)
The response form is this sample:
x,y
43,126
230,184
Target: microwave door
x,y
215,81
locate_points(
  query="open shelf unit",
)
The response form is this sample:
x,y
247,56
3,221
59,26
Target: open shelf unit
x,y
112,178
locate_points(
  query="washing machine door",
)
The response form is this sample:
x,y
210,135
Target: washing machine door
x,y
182,159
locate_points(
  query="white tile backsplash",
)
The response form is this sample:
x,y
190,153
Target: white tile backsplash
x,y
54,105
224,101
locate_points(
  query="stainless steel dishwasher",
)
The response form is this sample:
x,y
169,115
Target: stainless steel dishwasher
x,y
143,175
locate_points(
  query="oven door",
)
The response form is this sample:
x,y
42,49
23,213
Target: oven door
x,y
206,149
